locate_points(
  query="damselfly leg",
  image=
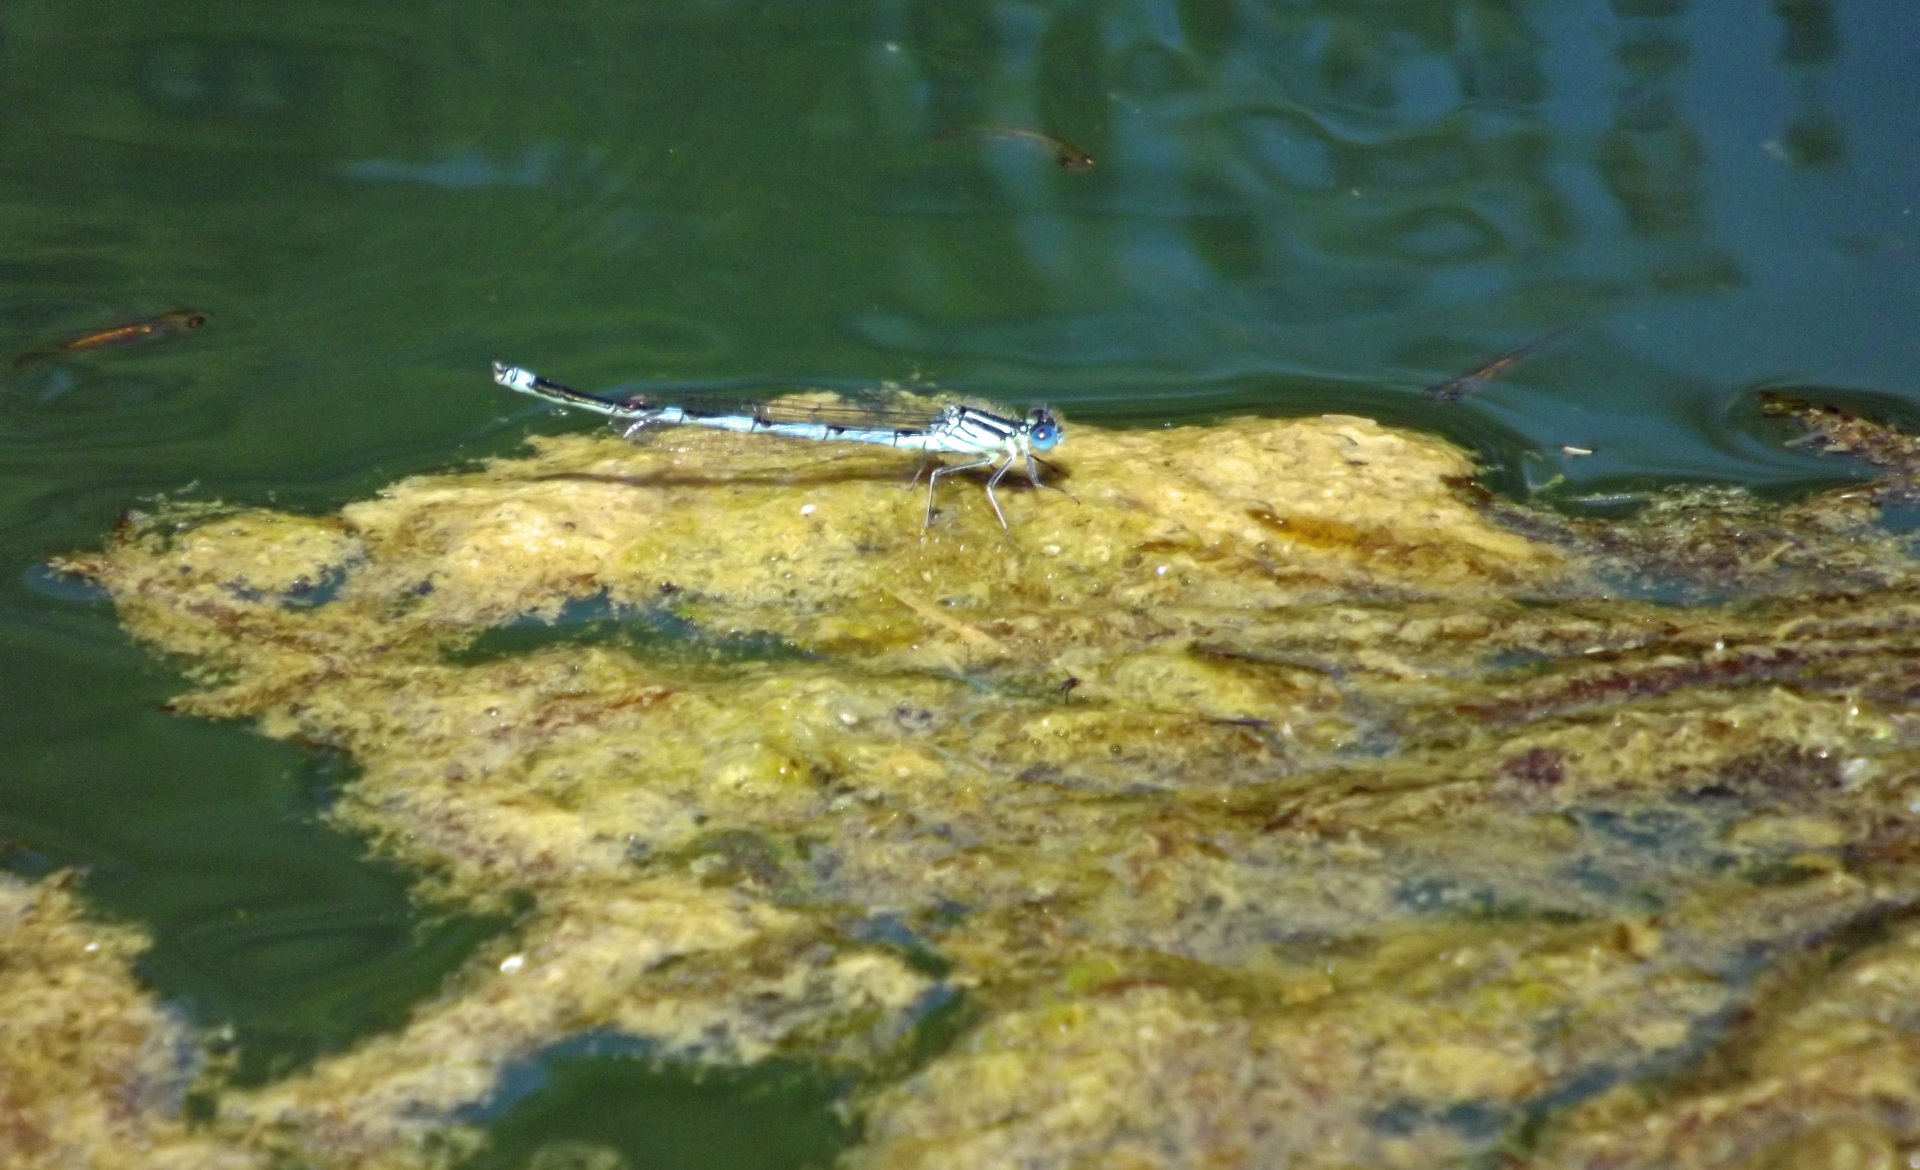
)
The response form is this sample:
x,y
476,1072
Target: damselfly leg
x,y
933,481
1034,475
1000,469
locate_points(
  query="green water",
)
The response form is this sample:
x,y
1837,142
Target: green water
x,y
595,1094
1296,208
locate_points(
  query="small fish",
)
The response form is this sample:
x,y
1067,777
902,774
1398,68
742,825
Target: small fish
x,y
165,325
1454,389
1065,153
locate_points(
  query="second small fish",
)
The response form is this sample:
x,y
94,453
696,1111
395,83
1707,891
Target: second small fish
x,y
1064,153
1454,389
131,333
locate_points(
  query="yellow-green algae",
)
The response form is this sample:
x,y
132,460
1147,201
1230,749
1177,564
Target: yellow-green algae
x,y
1275,801
93,1073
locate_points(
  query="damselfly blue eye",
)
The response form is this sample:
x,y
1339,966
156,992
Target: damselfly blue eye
x,y
1043,430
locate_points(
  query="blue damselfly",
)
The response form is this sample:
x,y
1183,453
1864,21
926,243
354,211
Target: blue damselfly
x,y
991,439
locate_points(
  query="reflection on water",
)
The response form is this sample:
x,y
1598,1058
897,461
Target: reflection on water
x,y
384,204
462,170
1652,160
1809,46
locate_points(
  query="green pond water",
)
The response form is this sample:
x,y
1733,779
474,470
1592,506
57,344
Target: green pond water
x,y
1295,208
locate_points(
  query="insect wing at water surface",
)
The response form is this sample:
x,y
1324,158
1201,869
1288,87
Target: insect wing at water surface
x,y
1458,387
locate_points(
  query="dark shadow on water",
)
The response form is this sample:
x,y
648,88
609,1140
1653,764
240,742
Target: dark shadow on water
x,y
654,632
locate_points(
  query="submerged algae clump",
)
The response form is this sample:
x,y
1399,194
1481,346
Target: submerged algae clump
x,y
1269,802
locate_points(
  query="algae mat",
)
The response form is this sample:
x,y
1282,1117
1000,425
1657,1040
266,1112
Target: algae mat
x,y
1277,800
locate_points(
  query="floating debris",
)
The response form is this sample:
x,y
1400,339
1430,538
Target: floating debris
x,y
1835,429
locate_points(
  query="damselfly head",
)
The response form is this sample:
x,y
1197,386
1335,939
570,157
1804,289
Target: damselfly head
x,y
1043,430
